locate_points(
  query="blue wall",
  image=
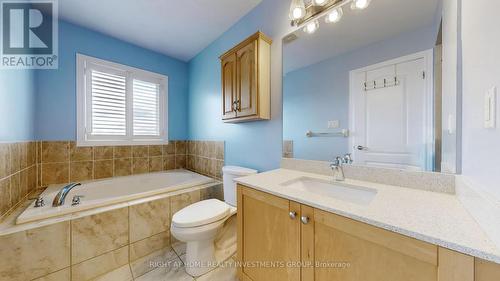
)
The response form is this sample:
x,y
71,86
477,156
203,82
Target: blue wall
x,y
17,101
56,89
254,144
323,89
194,89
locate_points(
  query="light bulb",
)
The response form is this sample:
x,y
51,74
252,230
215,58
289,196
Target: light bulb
x,y
360,4
297,13
319,2
311,27
334,16
297,9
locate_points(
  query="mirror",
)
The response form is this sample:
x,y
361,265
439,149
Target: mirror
x,y
375,84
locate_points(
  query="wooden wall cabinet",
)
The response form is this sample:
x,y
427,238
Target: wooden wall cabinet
x,y
246,80
279,239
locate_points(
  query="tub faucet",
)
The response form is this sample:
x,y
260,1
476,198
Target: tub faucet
x,y
337,166
61,195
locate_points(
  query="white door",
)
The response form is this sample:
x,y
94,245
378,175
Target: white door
x,y
389,118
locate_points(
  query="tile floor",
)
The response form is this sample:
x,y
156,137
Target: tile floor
x,y
173,270
168,264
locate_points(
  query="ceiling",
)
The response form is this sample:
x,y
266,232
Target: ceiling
x,y
177,28
382,20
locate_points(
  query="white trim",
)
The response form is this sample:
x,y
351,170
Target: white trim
x,y
136,141
428,56
83,121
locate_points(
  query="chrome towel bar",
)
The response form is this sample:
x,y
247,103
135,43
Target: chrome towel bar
x,y
344,133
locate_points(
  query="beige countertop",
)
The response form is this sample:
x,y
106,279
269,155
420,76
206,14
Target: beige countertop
x,y
433,217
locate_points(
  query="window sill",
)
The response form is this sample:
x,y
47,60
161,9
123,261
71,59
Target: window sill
x,y
83,143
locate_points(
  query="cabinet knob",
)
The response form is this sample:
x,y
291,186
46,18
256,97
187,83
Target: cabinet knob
x,y
304,219
292,215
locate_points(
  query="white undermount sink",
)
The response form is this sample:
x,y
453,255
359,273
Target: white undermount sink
x,y
338,190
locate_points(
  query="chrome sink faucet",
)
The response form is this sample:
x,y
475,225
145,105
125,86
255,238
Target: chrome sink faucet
x,y
61,195
337,166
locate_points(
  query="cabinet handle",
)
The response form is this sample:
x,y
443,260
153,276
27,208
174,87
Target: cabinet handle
x,y
304,219
236,105
292,215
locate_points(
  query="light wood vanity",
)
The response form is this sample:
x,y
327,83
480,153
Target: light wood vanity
x,y
276,234
246,86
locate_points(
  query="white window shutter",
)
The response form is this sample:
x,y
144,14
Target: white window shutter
x,y
108,104
119,104
146,108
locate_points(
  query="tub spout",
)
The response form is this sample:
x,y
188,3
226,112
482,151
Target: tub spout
x,y
61,195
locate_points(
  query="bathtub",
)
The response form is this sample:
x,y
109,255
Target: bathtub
x,y
110,191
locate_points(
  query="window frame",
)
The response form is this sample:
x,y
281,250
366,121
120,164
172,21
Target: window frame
x,y
84,121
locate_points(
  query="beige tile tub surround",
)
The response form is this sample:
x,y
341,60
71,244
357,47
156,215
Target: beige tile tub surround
x,y
100,265
206,157
102,242
94,235
63,161
34,253
150,218
18,174
89,247
436,182
61,275
148,245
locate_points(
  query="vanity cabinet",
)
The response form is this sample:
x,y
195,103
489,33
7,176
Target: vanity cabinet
x,y
267,237
279,239
246,87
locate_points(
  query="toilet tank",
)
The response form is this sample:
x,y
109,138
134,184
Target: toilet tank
x,y
229,173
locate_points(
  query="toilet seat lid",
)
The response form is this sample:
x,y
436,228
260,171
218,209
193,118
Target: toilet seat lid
x,y
201,213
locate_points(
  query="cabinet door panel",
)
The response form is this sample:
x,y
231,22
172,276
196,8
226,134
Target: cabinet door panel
x,y
307,244
454,266
246,61
268,239
228,86
486,271
346,250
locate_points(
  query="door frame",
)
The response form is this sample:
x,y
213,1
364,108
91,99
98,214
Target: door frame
x,y
428,56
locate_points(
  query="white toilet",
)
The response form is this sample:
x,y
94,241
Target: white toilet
x,y
199,223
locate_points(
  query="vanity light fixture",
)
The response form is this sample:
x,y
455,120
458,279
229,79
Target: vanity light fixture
x,y
360,4
319,2
297,10
334,16
311,27
306,18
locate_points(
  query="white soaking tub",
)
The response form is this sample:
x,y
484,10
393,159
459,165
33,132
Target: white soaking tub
x,y
110,191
